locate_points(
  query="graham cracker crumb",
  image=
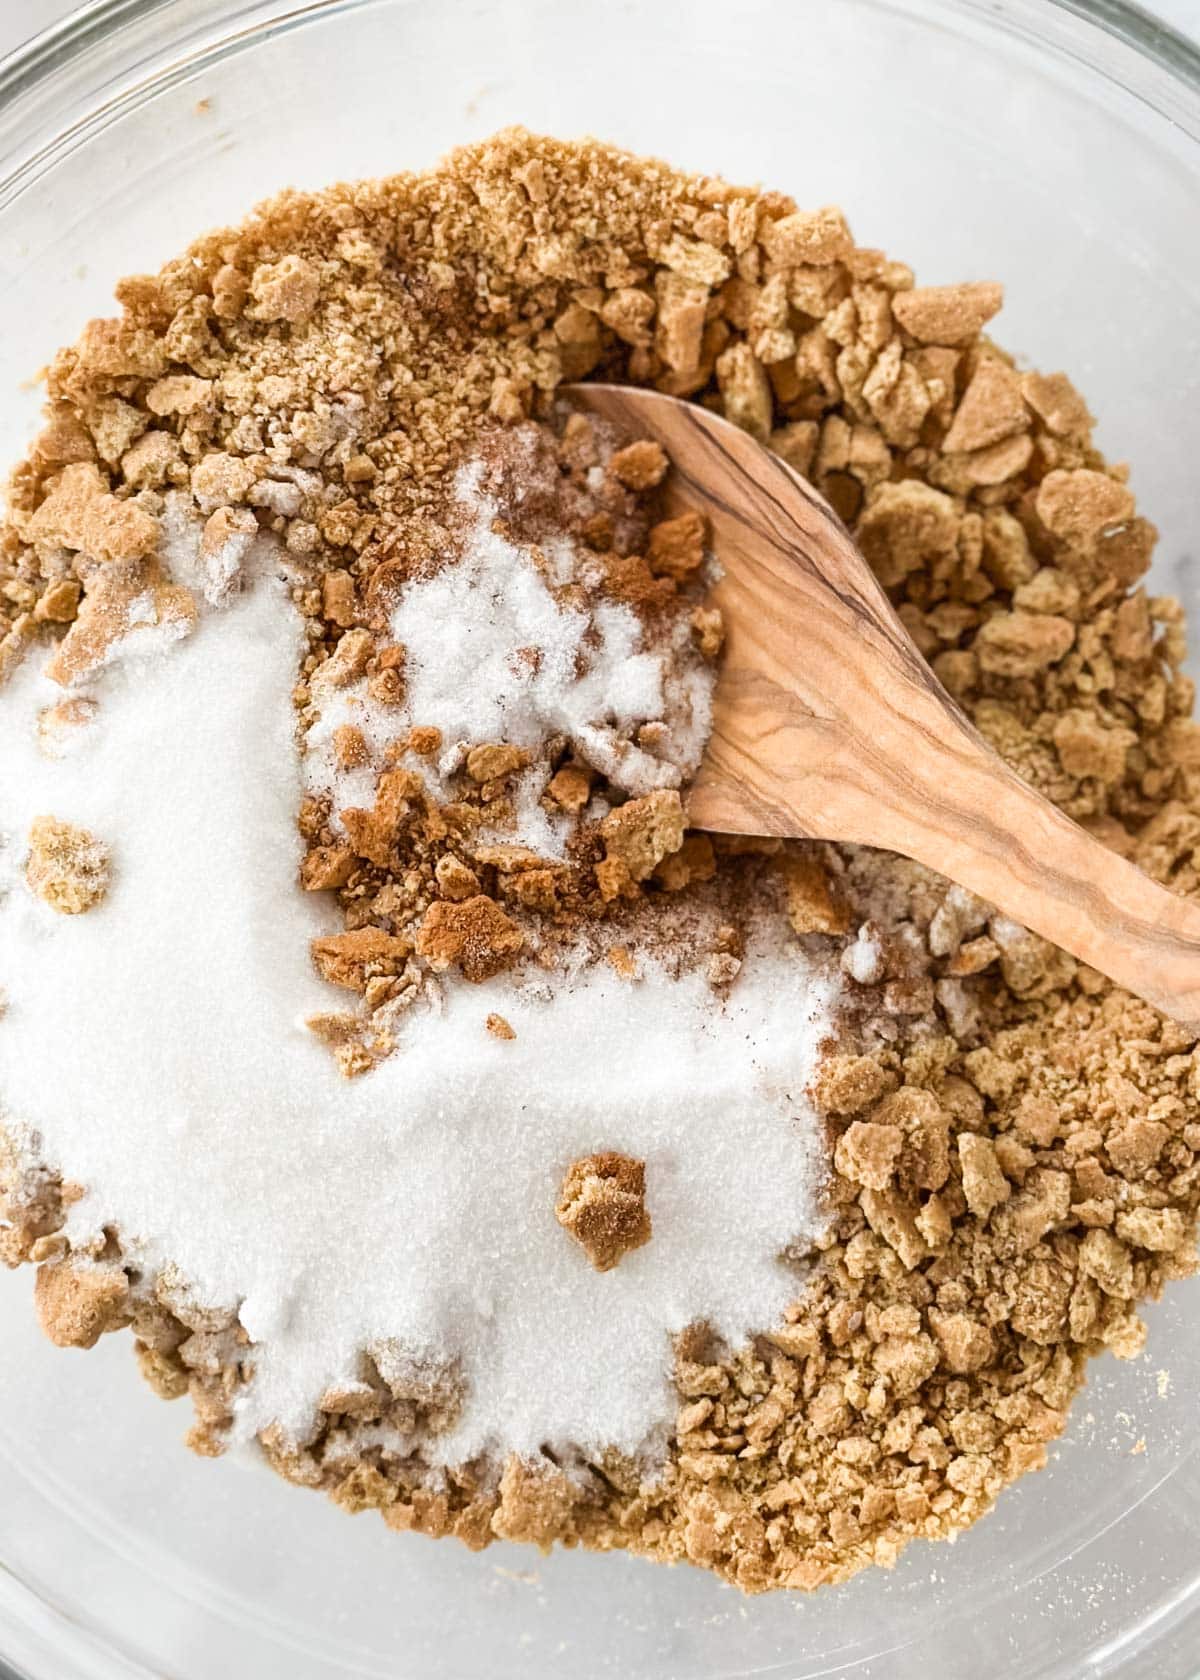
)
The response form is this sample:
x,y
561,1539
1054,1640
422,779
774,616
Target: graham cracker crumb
x,y
490,763
639,466
676,547
424,740
475,935
867,1153
947,314
536,1504
984,1184
351,959
637,836
708,627
455,880
622,962
602,1205
121,598
77,1303
67,867
326,868
571,787
60,602
811,906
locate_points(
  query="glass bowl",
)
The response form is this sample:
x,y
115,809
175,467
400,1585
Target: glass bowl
x,y
1046,143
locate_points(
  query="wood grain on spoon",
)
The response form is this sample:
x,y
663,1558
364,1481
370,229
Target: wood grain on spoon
x,y
828,723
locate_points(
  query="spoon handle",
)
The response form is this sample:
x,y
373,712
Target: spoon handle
x,y
829,724
942,797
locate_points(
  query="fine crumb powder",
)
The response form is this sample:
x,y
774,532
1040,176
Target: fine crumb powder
x,y
524,967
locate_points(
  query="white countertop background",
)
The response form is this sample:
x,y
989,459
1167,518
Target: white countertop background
x,y
20,19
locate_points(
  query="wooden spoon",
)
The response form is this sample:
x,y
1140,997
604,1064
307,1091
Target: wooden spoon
x,y
828,724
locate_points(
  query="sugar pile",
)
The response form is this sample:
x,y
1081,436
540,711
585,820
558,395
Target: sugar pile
x,y
493,653
156,1046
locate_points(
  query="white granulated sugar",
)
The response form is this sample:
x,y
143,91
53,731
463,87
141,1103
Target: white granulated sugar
x,y
863,958
210,570
156,1046
145,636
493,655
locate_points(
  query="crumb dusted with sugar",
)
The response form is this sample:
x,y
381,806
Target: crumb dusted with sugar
x,y
474,934
67,867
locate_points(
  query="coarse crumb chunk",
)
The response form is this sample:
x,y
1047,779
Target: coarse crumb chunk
x,y
68,867
352,959
536,1503
602,1204
571,787
639,466
708,627
637,836
947,314
123,598
488,763
286,290
811,904
78,1301
676,546
983,1181
81,513
867,1153
475,935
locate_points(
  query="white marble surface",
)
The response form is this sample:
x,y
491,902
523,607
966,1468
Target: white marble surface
x,y
21,18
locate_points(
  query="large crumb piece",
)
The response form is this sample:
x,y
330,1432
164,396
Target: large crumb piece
x,y
811,905
983,1181
68,868
81,513
352,959
676,546
603,1205
536,1504
489,762
640,465
637,836
77,1302
123,599
867,1153
474,934
947,314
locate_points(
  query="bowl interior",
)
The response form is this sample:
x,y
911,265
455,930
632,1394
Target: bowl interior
x,y
1010,140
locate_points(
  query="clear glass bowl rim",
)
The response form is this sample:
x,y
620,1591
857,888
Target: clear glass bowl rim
x,y
46,54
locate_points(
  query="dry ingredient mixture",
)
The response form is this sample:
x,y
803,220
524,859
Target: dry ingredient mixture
x,y
355,391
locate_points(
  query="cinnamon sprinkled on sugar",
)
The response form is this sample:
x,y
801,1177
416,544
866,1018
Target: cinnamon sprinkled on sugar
x,y
1015,1145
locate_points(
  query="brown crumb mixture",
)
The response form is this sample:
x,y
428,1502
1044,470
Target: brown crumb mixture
x,y
1015,1145
437,859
